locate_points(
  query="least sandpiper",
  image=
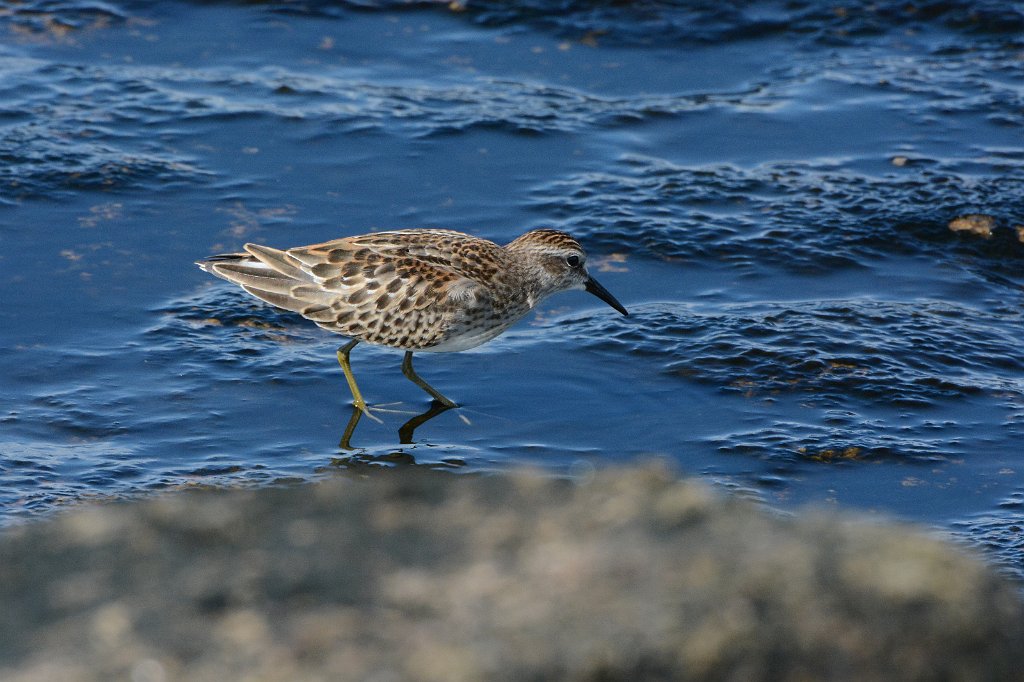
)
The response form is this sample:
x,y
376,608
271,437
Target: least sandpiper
x,y
419,290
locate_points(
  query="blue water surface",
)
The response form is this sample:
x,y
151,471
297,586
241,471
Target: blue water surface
x,y
766,186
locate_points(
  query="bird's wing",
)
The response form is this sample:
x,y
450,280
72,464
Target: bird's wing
x,y
350,284
466,256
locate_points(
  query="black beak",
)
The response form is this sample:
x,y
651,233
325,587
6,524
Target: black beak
x,y
597,290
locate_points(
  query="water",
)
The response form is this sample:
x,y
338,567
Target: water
x,y
765,186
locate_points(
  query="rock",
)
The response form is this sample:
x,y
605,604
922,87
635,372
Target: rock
x,y
414,575
980,224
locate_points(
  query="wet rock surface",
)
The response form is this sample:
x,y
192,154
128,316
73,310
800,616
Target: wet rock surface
x,y
630,574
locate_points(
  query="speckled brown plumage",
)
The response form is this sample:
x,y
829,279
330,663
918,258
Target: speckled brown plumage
x,y
423,290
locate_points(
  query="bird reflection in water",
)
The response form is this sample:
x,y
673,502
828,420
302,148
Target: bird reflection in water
x,y
405,432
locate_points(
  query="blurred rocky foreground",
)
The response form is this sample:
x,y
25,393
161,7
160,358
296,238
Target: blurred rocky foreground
x,y
413,575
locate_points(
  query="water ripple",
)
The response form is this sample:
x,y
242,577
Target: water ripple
x,y
74,128
220,327
79,127
39,476
662,23
791,445
830,354
668,22
58,19
1000,534
801,216
103,98
954,80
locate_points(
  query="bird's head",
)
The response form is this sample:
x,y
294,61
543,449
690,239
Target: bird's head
x,y
560,264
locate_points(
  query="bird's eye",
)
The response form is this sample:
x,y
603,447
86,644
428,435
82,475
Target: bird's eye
x,y
573,261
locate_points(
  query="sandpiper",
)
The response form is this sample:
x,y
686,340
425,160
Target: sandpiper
x,y
434,291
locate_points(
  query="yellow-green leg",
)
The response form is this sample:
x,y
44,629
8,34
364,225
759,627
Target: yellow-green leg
x,y
343,352
412,376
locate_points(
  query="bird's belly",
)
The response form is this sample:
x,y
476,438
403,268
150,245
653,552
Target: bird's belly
x,y
465,340
477,325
